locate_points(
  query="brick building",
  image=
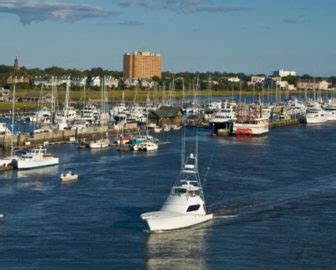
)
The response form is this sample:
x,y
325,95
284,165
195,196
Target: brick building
x,y
142,65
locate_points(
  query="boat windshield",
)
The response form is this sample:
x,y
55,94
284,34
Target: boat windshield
x,y
179,191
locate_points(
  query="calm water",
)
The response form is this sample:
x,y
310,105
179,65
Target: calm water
x,y
274,200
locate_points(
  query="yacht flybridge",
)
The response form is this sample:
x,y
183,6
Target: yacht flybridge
x,y
185,206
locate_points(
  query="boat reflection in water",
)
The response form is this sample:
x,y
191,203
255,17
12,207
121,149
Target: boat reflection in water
x,y
38,172
182,249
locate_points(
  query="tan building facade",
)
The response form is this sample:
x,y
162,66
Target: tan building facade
x,y
142,65
312,84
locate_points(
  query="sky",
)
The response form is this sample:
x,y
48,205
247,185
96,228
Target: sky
x,y
247,36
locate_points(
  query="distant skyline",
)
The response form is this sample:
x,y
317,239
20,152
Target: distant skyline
x,y
192,35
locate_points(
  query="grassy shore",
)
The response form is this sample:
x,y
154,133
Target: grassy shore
x,y
115,95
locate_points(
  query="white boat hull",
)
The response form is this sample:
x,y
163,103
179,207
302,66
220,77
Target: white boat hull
x,y
99,144
167,221
252,129
66,178
316,120
38,163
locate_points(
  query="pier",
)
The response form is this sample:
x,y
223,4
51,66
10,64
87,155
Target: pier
x,y
25,140
284,123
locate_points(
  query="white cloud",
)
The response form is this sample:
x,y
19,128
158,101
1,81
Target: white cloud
x,y
29,11
183,6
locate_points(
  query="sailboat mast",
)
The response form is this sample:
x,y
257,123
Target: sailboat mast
x,y
210,89
67,96
13,115
182,102
183,148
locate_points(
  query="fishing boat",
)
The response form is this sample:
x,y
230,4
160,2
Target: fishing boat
x,y
185,206
68,175
36,158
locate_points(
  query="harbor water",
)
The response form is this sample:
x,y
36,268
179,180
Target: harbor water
x,y
273,198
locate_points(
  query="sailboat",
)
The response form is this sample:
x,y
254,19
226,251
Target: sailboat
x,y
185,206
102,142
7,163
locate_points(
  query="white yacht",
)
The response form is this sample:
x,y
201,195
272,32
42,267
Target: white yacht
x,y
36,158
89,113
147,146
223,116
315,115
185,206
330,111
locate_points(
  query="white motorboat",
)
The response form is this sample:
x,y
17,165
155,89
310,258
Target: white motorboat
x,y
148,146
316,116
330,111
99,143
36,158
185,206
69,176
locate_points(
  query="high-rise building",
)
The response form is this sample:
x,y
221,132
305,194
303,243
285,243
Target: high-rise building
x,y
16,64
142,65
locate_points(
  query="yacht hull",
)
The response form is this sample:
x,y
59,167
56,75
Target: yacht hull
x,y
315,120
167,221
33,164
99,144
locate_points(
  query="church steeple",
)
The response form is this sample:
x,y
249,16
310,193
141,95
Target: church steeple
x,y
16,64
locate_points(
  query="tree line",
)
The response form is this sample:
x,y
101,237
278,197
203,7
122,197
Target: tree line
x,y
202,80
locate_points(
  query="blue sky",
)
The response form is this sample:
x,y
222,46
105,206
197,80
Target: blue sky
x,y
192,35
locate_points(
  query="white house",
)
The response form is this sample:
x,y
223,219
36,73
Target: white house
x,y
111,82
257,79
95,81
79,81
147,84
233,79
48,82
129,82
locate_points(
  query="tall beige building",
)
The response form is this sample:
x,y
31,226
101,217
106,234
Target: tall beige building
x,y
142,65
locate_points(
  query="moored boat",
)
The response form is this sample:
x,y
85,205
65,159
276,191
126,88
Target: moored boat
x,y
148,146
36,158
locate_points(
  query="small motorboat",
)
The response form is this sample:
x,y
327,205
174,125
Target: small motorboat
x,y
69,175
